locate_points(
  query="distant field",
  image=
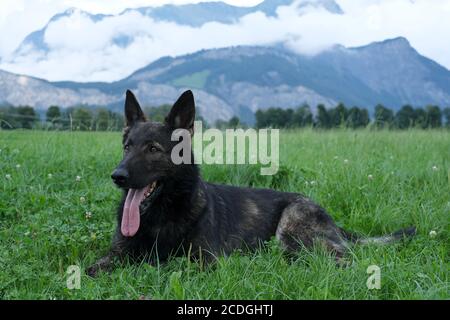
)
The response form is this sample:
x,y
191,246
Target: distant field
x,y
44,227
196,80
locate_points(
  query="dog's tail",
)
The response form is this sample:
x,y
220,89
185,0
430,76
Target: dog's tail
x,y
406,233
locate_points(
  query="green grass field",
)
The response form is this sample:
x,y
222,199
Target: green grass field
x,y
44,227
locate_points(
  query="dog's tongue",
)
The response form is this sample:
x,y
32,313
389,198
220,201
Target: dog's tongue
x,y
131,216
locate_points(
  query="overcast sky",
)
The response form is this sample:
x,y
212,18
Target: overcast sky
x,y
81,50
20,17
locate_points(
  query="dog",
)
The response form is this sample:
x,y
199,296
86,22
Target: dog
x,y
168,210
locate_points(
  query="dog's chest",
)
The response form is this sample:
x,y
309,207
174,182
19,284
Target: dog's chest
x,y
158,235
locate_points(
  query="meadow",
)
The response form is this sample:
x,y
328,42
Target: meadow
x,y
57,208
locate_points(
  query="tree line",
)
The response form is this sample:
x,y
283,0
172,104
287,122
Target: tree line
x,y
80,118
83,118
342,117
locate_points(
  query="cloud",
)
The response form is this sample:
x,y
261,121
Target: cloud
x,y
84,50
18,18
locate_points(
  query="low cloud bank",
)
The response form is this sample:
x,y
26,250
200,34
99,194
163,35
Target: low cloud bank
x,y
81,49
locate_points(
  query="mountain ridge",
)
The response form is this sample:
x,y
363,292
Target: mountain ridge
x,y
193,15
242,79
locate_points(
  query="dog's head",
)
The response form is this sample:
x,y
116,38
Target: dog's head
x,y
147,150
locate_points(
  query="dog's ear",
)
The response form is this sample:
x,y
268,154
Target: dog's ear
x,y
133,112
182,114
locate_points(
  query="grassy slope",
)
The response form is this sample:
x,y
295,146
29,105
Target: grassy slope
x,y
43,228
195,80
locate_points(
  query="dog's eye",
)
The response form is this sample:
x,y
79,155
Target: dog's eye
x,y
126,148
152,149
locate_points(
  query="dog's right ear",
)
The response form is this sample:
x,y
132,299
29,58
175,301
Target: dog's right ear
x,y
133,112
182,114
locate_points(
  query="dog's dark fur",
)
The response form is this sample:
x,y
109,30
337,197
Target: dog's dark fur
x,y
187,215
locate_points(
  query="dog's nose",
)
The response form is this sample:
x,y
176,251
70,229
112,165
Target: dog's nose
x,y
120,176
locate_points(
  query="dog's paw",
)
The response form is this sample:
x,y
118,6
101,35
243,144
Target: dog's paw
x,y
103,264
93,270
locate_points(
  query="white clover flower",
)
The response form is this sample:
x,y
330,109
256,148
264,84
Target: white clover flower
x,y
8,176
345,161
50,176
82,199
435,168
433,234
335,157
312,182
78,178
306,183
88,215
18,166
370,177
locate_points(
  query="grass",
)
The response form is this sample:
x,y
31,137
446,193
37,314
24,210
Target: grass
x,y
195,80
44,228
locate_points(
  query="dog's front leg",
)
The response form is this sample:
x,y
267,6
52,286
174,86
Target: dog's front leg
x,y
106,263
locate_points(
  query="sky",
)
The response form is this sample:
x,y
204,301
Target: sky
x,y
20,17
82,50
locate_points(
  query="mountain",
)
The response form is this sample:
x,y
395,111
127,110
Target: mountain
x,y
24,90
393,71
241,80
246,78
194,15
35,41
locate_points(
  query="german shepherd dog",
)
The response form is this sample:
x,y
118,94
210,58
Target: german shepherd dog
x,y
168,210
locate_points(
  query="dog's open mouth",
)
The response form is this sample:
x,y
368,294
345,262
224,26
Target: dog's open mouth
x,y
131,212
150,190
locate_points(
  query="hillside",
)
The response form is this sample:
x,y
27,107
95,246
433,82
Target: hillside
x,y
241,80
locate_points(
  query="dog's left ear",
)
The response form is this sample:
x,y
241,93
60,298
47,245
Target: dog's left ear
x,y
182,114
133,112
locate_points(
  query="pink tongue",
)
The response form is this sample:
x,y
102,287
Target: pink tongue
x,y
131,216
